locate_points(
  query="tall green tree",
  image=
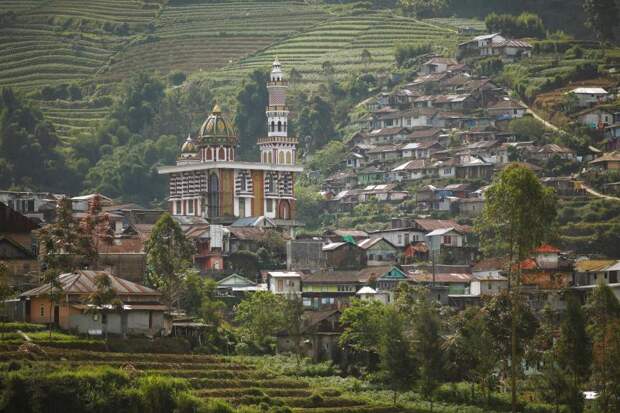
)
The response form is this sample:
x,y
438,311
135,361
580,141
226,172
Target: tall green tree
x,y
260,317
603,313
428,346
517,216
601,17
168,256
30,151
250,119
398,364
315,125
574,348
362,322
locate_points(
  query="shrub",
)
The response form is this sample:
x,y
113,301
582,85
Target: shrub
x,y
316,399
176,78
404,53
24,327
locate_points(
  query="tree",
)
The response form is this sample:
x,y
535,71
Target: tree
x,y
574,349
603,311
250,118
315,124
524,25
245,262
397,365
601,17
557,387
260,317
328,158
65,246
428,345
365,57
168,255
361,335
527,128
606,371
96,228
104,298
473,351
294,324
517,216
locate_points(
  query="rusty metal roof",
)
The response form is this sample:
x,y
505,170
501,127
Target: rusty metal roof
x,y
82,282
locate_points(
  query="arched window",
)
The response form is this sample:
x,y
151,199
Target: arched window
x,y
288,158
284,126
273,126
209,154
221,155
284,210
279,126
280,157
214,196
271,183
270,158
243,186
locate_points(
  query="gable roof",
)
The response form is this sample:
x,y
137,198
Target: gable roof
x,y
82,282
370,242
235,280
14,221
22,252
259,221
433,224
423,277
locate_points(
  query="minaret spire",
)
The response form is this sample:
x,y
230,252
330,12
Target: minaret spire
x,y
277,147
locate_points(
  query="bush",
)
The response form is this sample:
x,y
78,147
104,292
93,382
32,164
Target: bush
x,y
24,327
404,53
176,78
524,25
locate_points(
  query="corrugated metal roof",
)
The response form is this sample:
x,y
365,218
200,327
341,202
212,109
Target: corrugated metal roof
x,y
82,282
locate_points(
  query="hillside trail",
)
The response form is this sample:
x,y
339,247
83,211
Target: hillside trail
x,y
597,194
541,120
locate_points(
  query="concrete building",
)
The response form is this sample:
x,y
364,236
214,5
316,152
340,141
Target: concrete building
x,y
208,181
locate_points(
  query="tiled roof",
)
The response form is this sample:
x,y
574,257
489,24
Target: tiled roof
x,y
546,249
593,265
433,224
424,277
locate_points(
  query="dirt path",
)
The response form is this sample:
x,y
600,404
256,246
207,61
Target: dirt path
x,y
598,194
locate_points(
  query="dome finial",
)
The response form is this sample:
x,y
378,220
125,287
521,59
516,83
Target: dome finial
x,y
216,109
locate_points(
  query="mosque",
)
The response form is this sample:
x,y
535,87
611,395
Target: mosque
x,y
208,182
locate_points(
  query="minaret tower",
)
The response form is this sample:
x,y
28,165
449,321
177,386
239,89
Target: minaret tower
x,y
277,147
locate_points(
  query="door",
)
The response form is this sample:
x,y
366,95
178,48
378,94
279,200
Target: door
x,y
56,316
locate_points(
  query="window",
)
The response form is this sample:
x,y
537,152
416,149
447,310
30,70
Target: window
x,y
42,311
270,205
406,238
241,207
31,205
178,208
288,158
281,157
447,240
280,285
400,239
243,185
489,287
190,207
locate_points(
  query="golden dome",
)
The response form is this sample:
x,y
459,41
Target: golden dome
x,y
188,146
216,129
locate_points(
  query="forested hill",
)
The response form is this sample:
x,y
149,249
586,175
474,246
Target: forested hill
x,y
98,93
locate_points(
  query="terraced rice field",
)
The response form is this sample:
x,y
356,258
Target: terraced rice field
x,y
238,381
196,37
341,40
72,118
59,41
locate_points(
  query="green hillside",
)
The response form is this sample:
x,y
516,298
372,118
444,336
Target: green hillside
x,y
95,45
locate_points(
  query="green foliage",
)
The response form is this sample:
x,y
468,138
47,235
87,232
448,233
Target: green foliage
x,y
62,91
30,154
524,25
601,17
425,8
398,366
260,317
245,263
489,66
405,54
315,125
527,128
176,78
517,215
362,322
574,352
168,255
250,118
328,158
308,202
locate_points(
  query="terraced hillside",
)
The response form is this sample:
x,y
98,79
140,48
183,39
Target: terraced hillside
x,y
341,41
202,36
53,42
237,380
